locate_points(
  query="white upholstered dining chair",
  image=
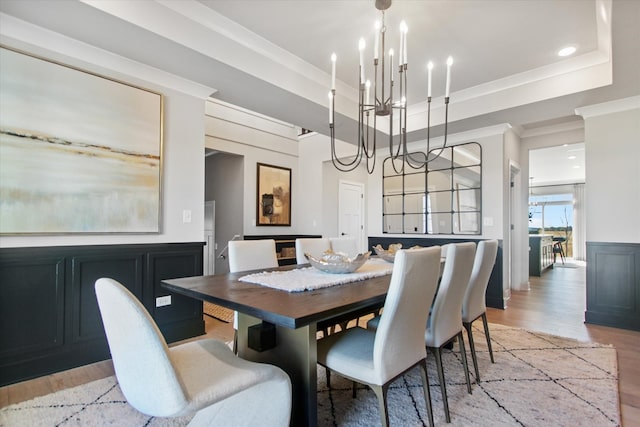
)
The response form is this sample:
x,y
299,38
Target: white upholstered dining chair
x,y
315,246
445,320
250,255
474,302
377,358
200,377
345,245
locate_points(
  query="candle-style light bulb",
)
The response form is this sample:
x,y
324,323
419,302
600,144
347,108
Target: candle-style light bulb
x,y
448,86
376,45
391,62
330,108
403,37
361,46
429,69
333,71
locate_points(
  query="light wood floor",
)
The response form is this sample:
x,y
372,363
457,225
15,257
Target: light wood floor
x,y
555,304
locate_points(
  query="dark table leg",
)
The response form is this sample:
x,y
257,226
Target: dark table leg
x,y
296,353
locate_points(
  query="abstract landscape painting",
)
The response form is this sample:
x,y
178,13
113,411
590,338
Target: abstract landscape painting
x,y
79,153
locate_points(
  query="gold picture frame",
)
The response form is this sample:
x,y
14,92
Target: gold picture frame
x,y
81,152
273,198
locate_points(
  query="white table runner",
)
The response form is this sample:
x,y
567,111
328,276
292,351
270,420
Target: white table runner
x,y
310,278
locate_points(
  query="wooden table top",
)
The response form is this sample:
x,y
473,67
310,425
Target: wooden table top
x,y
288,309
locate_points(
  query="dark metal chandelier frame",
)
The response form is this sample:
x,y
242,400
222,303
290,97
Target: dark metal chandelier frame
x,y
385,105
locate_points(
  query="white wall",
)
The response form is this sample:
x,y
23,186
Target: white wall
x,y
183,162
320,181
612,163
491,140
258,139
311,148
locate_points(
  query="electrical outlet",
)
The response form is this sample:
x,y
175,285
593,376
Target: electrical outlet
x,y
163,301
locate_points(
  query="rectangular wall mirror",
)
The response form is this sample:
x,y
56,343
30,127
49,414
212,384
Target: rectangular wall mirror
x,y
443,196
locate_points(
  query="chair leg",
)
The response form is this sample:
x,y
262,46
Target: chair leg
x,y
328,376
463,353
427,391
486,334
353,389
235,341
381,393
437,352
472,349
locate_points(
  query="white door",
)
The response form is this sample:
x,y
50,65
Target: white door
x,y
351,212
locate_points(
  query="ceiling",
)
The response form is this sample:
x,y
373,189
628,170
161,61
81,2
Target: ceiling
x,y
556,166
272,56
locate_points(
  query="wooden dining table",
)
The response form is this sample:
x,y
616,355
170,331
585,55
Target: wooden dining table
x,y
294,316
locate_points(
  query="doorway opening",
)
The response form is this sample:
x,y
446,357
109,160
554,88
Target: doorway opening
x,y
551,213
556,199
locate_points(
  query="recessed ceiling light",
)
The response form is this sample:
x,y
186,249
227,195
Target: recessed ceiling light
x,y
576,167
567,51
571,157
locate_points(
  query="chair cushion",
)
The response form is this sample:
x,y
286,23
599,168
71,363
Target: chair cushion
x,y
350,352
210,372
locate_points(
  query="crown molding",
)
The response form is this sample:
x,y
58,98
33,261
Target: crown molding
x,y
619,105
39,41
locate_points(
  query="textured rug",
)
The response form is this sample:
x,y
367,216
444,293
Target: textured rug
x,y
219,312
537,380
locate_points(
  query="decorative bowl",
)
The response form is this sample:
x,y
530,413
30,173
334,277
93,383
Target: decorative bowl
x,y
389,254
337,263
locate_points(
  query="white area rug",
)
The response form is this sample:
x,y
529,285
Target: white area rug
x,y
537,380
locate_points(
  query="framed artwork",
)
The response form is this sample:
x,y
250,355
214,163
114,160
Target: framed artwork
x,y
273,201
80,153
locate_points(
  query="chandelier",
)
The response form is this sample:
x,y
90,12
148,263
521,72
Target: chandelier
x,y
385,103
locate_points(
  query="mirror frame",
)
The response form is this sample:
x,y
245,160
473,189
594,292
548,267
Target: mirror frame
x,y
463,216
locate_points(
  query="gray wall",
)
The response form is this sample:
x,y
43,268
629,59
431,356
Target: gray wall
x,y
224,183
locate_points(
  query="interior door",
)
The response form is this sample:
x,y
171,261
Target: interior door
x,y
351,212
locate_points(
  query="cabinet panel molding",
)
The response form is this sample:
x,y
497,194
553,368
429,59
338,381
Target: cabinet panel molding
x,y
613,284
48,301
31,305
